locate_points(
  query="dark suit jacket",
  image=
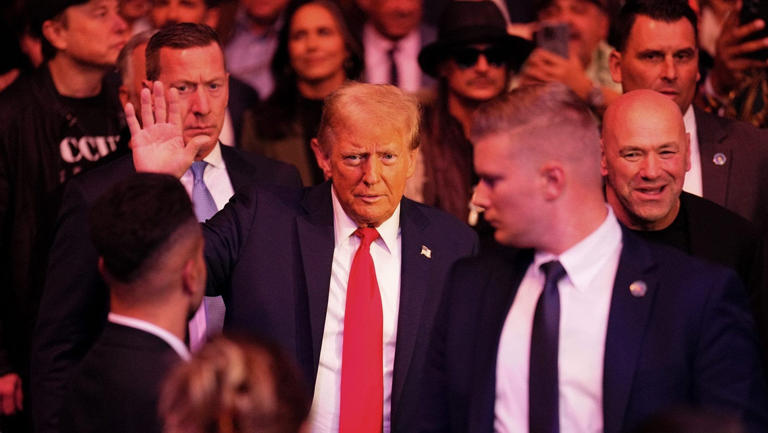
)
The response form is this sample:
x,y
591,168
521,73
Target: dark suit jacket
x,y
117,386
689,340
741,183
274,249
75,301
723,237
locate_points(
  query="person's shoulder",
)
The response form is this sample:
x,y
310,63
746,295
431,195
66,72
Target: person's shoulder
x,y
676,269
711,214
263,169
440,219
94,182
21,94
735,131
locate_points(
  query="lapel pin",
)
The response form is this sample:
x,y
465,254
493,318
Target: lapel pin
x,y
426,252
719,159
638,288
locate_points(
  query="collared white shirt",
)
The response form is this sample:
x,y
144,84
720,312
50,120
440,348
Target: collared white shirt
x,y
386,254
693,178
215,177
377,65
585,298
177,345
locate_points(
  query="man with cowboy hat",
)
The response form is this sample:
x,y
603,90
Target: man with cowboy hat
x,y
473,60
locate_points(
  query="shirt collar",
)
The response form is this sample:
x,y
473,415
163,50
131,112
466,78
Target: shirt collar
x,y
214,158
689,119
582,261
132,322
344,226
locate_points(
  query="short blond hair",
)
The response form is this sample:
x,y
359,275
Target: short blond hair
x,y
386,105
235,385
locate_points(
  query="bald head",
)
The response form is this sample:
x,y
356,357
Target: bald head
x,y
645,154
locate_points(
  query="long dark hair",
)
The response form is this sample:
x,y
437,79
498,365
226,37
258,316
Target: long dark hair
x,y
280,107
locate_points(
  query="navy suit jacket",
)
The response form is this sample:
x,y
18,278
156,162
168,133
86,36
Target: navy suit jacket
x,y
689,341
741,182
75,301
117,386
273,250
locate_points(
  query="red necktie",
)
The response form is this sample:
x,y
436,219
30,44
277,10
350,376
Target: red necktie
x,y
362,382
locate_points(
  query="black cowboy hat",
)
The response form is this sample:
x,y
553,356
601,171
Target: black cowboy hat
x,y
472,22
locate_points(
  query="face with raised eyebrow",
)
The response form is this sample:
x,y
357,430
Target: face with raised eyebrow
x,y
369,164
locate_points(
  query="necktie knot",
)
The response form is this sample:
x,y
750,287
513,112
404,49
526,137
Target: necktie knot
x,y
553,271
198,168
367,235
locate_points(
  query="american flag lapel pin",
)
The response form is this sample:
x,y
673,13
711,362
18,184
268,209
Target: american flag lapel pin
x,y
426,252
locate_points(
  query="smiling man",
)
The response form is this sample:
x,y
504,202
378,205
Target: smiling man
x,y
346,275
645,154
584,327
656,49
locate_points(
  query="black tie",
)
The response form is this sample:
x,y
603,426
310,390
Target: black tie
x,y
543,407
394,78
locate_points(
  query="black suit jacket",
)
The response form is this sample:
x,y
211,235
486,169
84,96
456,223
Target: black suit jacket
x,y
741,182
721,236
689,341
117,386
75,301
273,250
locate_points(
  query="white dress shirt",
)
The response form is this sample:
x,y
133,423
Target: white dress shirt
x,y
386,254
693,178
177,345
377,65
585,297
215,177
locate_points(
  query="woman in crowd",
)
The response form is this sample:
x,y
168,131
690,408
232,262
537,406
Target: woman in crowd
x,y
316,54
234,385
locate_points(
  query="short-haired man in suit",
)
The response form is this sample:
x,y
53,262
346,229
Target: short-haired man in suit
x,y
645,155
346,275
587,327
150,250
189,59
656,48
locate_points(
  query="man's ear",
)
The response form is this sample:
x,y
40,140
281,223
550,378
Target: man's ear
x,y
53,31
552,180
323,158
603,162
614,62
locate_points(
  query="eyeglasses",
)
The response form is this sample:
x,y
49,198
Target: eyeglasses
x,y
466,57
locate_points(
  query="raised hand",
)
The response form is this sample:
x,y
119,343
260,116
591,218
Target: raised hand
x,y
731,60
157,143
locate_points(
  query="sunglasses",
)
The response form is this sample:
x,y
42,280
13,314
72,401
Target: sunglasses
x,y
466,57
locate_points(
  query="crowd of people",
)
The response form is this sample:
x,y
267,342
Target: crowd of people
x,y
365,216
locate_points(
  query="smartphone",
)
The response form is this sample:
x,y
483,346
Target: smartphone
x,y
554,37
750,11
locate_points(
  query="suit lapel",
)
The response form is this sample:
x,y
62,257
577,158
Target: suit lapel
x,y
500,290
626,326
237,169
315,232
711,135
414,280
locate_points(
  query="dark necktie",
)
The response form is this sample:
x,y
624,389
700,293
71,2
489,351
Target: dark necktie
x,y
543,391
362,378
394,76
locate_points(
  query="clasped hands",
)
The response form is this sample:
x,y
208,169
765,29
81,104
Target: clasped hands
x,y
157,142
